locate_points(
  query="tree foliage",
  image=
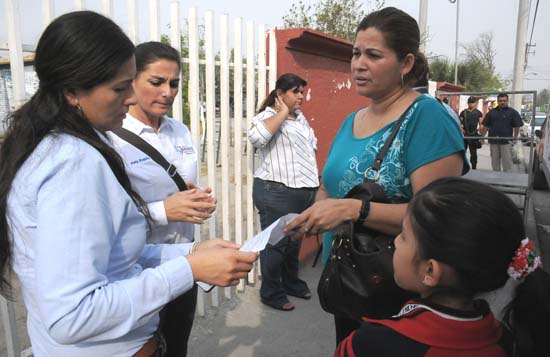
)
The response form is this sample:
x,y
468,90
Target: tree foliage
x,y
476,69
482,50
543,98
335,17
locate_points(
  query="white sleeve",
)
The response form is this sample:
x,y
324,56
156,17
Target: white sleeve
x,y
84,233
258,134
158,213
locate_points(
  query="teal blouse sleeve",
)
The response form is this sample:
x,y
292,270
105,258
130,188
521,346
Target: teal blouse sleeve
x,y
432,135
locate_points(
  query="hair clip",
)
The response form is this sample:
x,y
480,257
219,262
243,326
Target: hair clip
x,y
525,260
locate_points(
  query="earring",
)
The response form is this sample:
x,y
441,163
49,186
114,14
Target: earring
x,y
79,110
427,280
402,82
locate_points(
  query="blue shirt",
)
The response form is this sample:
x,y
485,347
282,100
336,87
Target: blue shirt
x,y
501,122
91,285
428,133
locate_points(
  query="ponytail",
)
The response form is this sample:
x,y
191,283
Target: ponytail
x,y
418,72
269,101
527,316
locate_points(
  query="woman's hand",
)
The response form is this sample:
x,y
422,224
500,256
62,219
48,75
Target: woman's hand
x,y
221,266
323,216
280,106
193,205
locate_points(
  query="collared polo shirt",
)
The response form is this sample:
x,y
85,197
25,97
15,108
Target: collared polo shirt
x,y
151,181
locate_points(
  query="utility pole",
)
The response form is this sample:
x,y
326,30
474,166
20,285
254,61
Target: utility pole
x,y
456,38
422,24
519,57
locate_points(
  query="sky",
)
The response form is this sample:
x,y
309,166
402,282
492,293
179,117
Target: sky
x,y
476,17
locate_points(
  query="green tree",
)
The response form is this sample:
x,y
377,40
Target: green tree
x,y
441,69
473,74
335,17
543,98
476,69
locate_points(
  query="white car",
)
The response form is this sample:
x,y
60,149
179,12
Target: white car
x,y
527,131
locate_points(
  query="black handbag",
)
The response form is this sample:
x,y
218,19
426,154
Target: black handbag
x,y
357,280
478,144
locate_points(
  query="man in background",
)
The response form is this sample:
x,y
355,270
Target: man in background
x,y
501,121
469,121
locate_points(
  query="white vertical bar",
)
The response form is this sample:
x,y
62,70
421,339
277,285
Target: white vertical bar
x,y
107,8
238,131
8,321
16,52
194,114
272,59
175,41
48,12
250,111
261,64
211,120
154,18
224,127
132,21
80,4
194,89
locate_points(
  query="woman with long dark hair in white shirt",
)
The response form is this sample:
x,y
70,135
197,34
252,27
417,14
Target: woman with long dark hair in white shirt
x,y
285,182
71,225
174,212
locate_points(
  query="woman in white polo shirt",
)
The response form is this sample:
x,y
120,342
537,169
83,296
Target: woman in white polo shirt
x,y
174,212
286,181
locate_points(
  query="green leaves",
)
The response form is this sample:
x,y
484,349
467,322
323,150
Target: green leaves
x,y
335,17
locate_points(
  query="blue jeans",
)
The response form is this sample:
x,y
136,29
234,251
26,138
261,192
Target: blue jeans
x,y
279,262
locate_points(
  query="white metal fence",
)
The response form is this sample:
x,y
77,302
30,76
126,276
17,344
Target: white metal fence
x,y
210,72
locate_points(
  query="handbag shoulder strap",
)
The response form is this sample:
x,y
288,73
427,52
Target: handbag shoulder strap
x,y
153,153
380,157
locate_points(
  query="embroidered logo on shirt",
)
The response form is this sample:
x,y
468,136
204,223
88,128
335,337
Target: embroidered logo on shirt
x,y
140,160
185,150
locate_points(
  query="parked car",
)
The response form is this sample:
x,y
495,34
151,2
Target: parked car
x,y
542,138
527,131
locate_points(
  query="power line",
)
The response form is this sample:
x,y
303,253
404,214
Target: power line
x,y
534,20
530,43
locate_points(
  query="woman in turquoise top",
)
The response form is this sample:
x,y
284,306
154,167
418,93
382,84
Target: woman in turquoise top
x,y
385,65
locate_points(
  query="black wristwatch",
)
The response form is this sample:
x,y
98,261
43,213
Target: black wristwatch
x,y
364,212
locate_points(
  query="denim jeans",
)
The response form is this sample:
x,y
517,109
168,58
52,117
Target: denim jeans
x,y
279,263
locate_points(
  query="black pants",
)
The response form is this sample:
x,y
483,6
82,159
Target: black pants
x,y
176,321
472,145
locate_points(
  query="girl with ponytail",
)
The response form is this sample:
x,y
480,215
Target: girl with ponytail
x,y
449,257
